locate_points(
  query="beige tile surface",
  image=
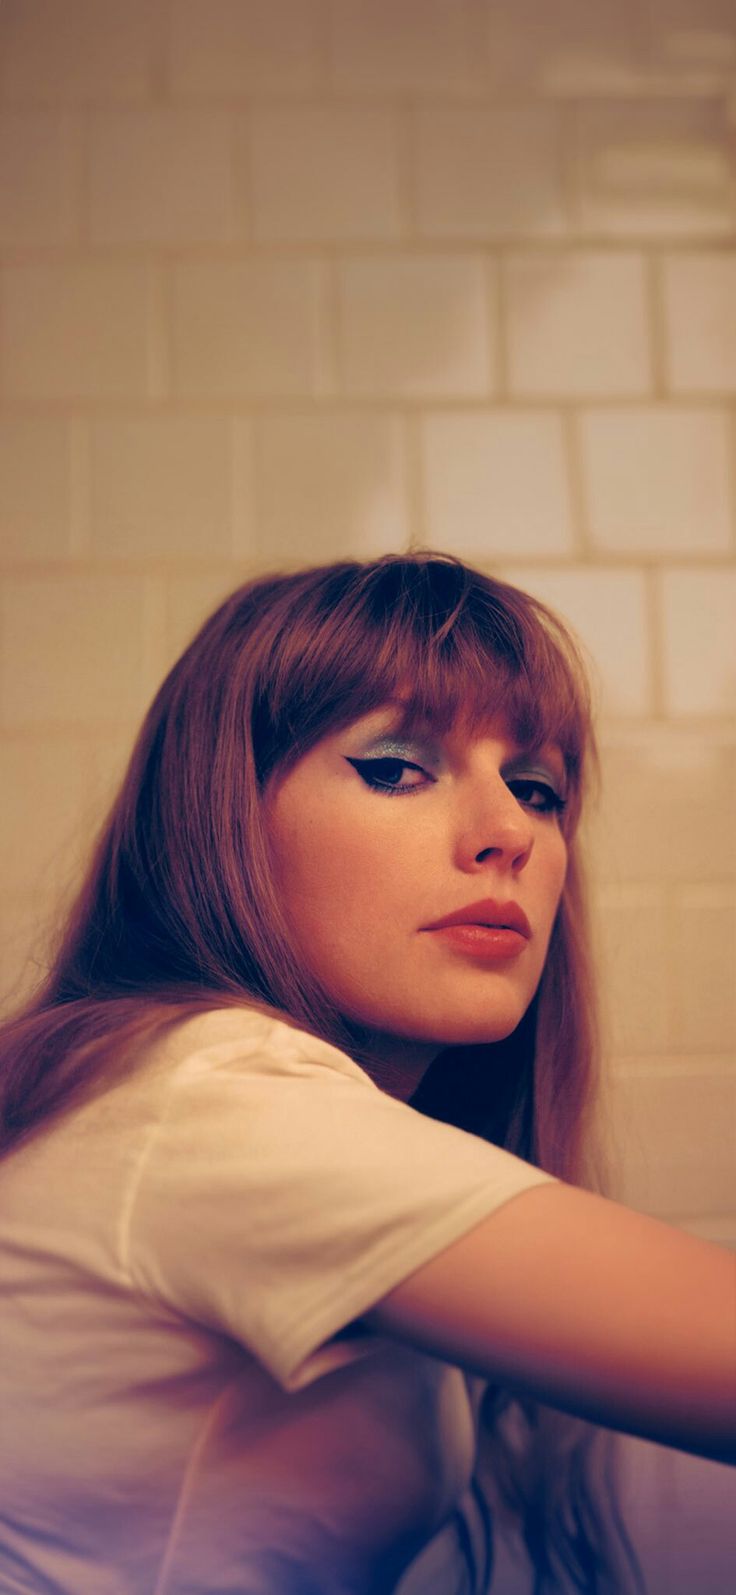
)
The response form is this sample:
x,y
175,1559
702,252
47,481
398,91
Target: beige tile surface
x,y
161,488
240,47
415,326
489,171
702,930
72,651
658,168
578,324
38,154
666,808
675,1129
699,296
495,483
35,488
631,925
160,176
577,47
26,924
103,51
699,640
697,37
247,328
54,776
657,479
325,172
607,611
330,487
191,599
390,46
76,330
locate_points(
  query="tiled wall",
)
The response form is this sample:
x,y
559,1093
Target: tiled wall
x,y
288,280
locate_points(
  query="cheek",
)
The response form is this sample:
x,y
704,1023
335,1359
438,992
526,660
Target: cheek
x,y
331,866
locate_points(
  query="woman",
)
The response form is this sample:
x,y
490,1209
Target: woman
x,y
292,1231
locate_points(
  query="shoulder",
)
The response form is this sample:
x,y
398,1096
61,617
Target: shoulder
x,y
257,1039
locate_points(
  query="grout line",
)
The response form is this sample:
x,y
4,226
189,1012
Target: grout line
x,y
569,166
655,637
242,487
330,359
160,331
406,172
160,86
573,454
416,508
499,320
154,635
731,470
81,491
654,267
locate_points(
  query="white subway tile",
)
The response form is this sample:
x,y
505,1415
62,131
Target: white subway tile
x,y
246,328
241,47
607,612
495,483
330,486
655,168
415,326
699,640
572,49
699,295
34,488
324,173
36,179
676,1131
657,481
81,50
695,40
26,925
578,324
159,176
665,812
161,487
72,651
631,924
191,599
44,804
702,931
488,172
398,46
76,330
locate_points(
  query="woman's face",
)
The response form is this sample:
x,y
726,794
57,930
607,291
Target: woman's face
x,y
376,838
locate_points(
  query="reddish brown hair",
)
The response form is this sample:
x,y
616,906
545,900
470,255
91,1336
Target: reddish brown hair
x,y
178,911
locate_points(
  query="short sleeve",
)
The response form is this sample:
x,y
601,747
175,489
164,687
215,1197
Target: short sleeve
x,y
284,1193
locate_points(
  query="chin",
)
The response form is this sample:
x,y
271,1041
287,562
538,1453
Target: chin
x,y
466,1029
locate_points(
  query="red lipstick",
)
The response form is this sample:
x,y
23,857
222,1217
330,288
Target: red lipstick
x,y
486,930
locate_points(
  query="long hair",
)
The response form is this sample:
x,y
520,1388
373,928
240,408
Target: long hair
x,y
178,912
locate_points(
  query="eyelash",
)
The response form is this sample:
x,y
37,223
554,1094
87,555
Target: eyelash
x,y
552,803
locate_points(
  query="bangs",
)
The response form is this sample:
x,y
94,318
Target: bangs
x,y
454,648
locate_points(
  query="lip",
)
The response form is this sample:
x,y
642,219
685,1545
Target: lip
x,y
508,916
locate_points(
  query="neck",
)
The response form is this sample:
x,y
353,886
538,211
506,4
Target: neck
x,y
396,1065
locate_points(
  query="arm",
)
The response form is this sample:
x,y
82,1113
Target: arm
x,y
588,1306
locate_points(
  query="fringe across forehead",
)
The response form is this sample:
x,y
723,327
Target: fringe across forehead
x,y
457,648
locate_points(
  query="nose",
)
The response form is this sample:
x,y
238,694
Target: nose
x,y
494,827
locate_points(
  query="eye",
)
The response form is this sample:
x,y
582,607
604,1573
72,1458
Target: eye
x,y
382,775
537,795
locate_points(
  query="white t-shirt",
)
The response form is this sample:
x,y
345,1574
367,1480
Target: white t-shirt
x,y
179,1411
